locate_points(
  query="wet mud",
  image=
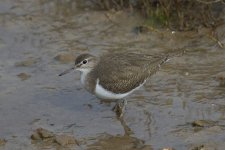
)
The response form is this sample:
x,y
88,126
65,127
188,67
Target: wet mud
x,y
44,139
181,107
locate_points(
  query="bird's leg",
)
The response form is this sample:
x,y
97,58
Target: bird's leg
x,y
119,108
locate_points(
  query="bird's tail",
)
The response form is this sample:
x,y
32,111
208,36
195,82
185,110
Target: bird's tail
x,y
177,52
174,53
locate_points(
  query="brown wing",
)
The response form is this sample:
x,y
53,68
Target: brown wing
x,y
123,72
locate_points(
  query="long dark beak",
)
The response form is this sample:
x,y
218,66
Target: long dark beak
x,y
67,71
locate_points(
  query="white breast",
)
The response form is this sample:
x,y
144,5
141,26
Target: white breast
x,y
83,76
105,94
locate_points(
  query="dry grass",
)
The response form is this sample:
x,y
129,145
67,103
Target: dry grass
x,y
175,14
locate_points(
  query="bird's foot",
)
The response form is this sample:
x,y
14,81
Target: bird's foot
x,y
119,108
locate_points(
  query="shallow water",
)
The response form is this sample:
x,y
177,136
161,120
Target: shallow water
x,y
33,33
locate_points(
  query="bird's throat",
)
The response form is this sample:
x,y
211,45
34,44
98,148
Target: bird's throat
x,y
84,73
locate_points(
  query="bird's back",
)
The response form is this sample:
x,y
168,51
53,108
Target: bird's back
x,y
122,72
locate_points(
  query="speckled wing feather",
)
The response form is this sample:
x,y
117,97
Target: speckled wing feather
x,y
123,72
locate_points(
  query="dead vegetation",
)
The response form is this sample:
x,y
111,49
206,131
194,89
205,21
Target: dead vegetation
x,y
176,14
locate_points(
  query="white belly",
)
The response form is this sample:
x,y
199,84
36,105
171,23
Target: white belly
x,y
105,94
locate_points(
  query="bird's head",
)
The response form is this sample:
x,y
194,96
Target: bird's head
x,y
83,63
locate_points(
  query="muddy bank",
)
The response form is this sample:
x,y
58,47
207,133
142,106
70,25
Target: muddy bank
x,y
40,39
45,139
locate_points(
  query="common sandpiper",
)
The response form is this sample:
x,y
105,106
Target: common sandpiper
x,y
116,75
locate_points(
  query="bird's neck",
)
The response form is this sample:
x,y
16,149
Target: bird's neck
x,y
83,77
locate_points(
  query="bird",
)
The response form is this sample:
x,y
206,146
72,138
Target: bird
x,y
114,76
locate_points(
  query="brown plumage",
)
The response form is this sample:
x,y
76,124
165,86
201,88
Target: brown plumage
x,y
122,72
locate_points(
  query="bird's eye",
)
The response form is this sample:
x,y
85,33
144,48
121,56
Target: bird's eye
x,y
84,61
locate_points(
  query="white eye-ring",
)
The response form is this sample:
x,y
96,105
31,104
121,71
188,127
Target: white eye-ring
x,y
84,61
